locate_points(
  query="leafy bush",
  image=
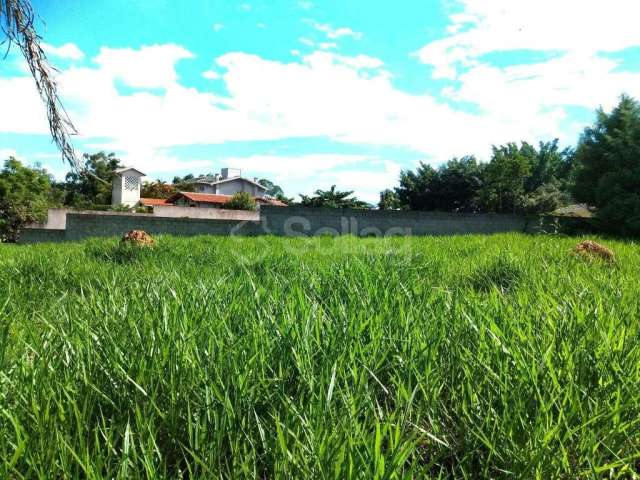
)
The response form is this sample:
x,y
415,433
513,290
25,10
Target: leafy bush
x,y
241,201
544,199
25,194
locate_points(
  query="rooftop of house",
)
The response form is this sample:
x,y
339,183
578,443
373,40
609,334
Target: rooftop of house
x,y
151,202
121,170
205,198
226,175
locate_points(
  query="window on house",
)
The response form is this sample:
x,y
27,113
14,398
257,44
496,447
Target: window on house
x,y
130,183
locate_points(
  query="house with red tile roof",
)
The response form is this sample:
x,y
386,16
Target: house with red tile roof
x,y
214,191
205,200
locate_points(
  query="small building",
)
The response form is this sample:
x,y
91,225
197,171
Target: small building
x,y
126,186
228,182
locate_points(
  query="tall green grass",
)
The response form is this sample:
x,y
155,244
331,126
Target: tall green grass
x,y
469,357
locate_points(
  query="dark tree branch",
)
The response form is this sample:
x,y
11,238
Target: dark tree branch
x,y
17,25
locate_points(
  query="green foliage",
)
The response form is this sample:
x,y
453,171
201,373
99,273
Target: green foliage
x,y
241,201
608,167
158,189
505,177
544,199
25,195
184,184
389,200
274,191
332,198
228,357
87,190
516,179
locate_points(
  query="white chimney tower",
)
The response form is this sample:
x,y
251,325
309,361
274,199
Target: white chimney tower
x,y
126,187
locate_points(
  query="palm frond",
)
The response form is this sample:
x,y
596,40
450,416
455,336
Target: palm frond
x,y
17,25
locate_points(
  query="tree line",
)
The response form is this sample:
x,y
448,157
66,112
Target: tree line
x,y
603,171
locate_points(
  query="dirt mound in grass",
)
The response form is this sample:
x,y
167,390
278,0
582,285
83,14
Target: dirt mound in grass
x,y
139,238
591,249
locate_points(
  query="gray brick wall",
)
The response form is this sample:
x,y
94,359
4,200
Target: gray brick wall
x,y
318,221
80,226
41,235
293,221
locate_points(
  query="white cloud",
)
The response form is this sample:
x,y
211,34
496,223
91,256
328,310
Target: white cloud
x,y
217,27
305,4
307,42
68,50
211,75
261,25
327,45
527,94
149,67
5,153
347,99
571,80
19,97
246,7
347,172
577,26
335,33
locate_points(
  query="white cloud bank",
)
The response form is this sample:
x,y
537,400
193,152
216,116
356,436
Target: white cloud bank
x,y
68,51
575,32
582,27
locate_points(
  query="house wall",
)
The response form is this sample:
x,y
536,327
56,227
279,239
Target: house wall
x,y
204,188
116,191
239,185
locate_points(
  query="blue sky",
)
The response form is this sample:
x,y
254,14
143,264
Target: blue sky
x,y
311,93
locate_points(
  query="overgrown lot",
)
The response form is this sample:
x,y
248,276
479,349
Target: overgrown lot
x,y
473,356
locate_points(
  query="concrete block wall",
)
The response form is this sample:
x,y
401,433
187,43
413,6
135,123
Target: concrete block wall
x,y
42,235
297,221
319,221
81,226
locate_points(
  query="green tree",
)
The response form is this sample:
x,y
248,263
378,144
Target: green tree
x,y
157,189
505,176
608,167
389,200
274,191
184,184
91,187
241,201
452,187
458,183
333,198
25,195
416,188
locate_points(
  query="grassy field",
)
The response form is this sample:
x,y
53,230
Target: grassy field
x,y
469,357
